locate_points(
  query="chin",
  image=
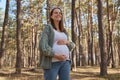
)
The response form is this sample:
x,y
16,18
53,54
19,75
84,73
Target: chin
x,y
58,20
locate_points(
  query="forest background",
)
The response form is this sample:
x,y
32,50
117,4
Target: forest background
x,y
94,26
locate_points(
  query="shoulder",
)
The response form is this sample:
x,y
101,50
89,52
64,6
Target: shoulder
x,y
48,28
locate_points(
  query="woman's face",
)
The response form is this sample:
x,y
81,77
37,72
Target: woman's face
x,y
56,15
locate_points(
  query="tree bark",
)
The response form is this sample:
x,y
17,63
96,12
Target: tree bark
x,y
73,35
18,38
90,34
2,49
103,65
48,11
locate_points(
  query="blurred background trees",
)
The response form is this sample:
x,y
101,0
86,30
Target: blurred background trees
x,y
82,27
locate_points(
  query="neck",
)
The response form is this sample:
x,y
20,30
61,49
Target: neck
x,y
56,24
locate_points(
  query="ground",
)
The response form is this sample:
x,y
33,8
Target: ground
x,y
82,73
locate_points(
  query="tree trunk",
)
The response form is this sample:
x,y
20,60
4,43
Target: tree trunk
x,y
80,34
2,49
48,11
118,45
110,31
107,35
103,65
18,38
73,35
97,55
90,35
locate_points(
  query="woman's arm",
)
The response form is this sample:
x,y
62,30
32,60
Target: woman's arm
x,y
43,43
70,45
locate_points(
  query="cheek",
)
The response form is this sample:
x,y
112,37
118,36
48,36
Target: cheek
x,y
52,17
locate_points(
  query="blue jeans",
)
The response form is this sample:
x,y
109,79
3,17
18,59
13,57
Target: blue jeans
x,y
61,68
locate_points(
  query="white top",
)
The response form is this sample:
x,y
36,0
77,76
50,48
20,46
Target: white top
x,y
59,49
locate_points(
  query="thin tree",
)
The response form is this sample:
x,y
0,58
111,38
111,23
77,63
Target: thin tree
x,y
73,34
110,33
80,48
18,38
2,47
48,11
90,33
103,65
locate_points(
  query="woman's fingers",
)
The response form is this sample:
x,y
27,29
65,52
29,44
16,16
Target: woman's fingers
x,y
60,57
62,42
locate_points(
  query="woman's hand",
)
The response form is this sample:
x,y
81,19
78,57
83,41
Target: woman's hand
x,y
60,57
62,42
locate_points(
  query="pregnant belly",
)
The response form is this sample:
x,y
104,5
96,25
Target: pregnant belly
x,y
60,49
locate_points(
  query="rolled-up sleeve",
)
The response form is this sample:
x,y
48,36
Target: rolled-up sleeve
x,y
71,46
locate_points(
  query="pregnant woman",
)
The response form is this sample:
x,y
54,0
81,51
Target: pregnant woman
x,y
55,48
